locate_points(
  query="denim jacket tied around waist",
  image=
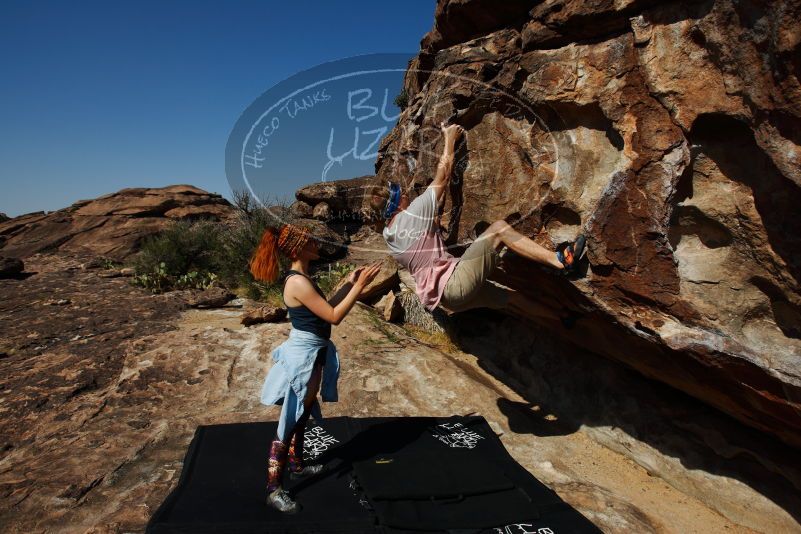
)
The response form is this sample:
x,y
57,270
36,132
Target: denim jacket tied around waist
x,y
286,382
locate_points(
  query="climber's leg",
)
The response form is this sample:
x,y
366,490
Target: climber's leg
x,y
501,232
468,280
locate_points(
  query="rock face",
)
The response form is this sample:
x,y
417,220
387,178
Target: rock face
x,y
112,225
668,133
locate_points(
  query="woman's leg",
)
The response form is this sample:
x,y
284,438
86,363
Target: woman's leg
x,y
296,441
281,451
275,469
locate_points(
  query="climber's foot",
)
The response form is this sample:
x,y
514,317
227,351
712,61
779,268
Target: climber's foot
x,y
572,254
281,501
307,471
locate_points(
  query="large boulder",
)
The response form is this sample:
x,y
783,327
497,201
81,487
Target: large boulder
x,y
668,134
112,225
343,197
10,267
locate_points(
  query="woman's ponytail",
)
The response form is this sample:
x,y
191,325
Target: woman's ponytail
x,y
264,264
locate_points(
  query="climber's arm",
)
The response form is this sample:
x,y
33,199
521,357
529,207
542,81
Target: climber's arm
x,y
445,167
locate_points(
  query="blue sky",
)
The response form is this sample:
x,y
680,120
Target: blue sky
x,y
98,96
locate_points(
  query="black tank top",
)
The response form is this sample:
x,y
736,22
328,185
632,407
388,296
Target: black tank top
x,y
302,318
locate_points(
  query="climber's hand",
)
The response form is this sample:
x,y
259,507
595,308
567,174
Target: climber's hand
x,y
451,132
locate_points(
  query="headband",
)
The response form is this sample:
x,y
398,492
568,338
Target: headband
x,y
292,238
394,199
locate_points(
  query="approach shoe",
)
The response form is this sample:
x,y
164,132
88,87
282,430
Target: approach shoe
x,y
307,471
281,501
572,254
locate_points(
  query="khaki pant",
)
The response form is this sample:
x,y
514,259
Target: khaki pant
x,y
468,286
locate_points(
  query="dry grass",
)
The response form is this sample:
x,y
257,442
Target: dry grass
x,y
439,339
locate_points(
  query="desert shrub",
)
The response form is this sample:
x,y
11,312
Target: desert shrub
x,y
402,100
156,280
182,247
328,278
197,254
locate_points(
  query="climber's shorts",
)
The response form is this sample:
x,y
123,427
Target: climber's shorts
x,y
468,286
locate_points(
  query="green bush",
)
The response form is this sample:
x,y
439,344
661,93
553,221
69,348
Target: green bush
x,y
327,279
156,280
197,254
181,248
402,100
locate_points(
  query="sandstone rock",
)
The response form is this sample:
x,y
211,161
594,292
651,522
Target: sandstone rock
x,y
332,243
344,197
392,309
127,271
96,263
264,314
10,267
322,211
112,225
382,302
212,297
301,209
667,134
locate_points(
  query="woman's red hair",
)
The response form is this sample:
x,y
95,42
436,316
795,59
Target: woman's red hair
x,y
290,239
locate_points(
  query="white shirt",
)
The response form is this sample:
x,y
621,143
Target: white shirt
x,y
413,222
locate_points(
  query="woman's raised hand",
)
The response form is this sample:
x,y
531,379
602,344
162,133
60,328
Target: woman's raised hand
x,y
362,276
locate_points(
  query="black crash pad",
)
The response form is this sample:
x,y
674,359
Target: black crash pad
x,y
383,475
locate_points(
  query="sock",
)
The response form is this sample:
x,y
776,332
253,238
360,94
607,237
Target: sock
x,y
278,452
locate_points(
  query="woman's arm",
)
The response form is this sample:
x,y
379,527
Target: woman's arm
x,y
301,289
341,293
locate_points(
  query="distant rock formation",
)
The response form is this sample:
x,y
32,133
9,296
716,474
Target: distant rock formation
x,y
669,133
337,200
112,225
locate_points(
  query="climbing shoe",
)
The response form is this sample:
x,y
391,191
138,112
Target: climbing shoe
x,y
281,501
572,254
307,471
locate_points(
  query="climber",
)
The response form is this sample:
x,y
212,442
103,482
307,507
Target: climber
x,y
460,283
307,362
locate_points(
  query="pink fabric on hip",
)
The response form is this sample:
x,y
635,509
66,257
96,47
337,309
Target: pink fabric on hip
x,y
430,265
